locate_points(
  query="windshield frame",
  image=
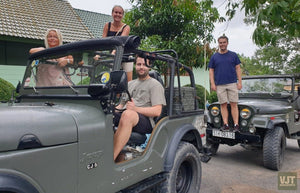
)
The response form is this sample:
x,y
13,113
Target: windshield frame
x,y
69,49
273,89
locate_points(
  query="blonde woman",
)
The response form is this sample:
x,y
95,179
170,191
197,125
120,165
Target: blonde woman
x,y
53,75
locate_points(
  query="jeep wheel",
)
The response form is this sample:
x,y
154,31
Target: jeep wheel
x,y
274,148
185,176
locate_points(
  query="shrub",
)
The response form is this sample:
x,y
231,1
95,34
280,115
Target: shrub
x,y
212,97
6,89
200,96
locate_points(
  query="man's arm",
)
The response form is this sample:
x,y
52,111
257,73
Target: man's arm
x,y
153,111
239,76
212,79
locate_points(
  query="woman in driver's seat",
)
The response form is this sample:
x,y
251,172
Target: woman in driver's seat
x,y
49,74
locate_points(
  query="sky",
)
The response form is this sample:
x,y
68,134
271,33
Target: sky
x,y
239,34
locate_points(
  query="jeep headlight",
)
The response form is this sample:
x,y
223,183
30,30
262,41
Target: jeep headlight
x,y
215,111
217,119
245,113
244,123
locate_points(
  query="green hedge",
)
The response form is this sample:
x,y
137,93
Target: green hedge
x,y
6,89
201,97
212,97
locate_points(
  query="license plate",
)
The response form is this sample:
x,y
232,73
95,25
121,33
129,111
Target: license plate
x,y
223,134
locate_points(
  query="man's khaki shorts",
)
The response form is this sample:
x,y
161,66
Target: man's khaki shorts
x,y
227,92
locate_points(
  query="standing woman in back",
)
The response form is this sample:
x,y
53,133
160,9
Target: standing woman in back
x,y
118,28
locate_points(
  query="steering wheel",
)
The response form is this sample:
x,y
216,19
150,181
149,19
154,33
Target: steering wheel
x,y
122,96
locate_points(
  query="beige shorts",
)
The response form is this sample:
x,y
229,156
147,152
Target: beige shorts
x,y
227,92
127,66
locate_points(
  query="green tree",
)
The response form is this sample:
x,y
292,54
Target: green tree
x,y
250,66
271,57
274,20
181,25
271,60
295,63
277,32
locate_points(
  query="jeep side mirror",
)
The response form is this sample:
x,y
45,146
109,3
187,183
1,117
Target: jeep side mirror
x,y
97,90
119,81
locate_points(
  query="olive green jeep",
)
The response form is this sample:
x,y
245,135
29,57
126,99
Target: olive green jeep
x,y
269,109
59,138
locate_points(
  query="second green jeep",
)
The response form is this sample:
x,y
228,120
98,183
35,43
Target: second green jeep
x,y
269,109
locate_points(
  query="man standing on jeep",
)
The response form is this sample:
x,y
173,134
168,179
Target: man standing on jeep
x,y
225,78
147,99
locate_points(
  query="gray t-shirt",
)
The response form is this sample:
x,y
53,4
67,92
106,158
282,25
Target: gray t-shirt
x,y
147,93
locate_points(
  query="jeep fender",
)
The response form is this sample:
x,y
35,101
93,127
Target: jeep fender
x,y
15,184
177,137
272,123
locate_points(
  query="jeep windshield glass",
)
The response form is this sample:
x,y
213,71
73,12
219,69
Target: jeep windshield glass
x,y
70,70
267,85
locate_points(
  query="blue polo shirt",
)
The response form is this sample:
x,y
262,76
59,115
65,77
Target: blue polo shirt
x,y
224,67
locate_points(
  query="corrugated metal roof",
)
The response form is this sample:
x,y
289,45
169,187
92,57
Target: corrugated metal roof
x,y
31,18
94,21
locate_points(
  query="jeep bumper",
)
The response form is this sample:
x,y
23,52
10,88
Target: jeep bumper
x,y
231,138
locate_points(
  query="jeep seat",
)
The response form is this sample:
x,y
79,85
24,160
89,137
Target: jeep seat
x,y
136,139
154,74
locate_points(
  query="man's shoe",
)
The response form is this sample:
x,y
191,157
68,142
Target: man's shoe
x,y
236,128
225,127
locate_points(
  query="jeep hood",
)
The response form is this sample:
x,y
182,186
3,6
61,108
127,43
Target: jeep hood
x,y
267,106
22,124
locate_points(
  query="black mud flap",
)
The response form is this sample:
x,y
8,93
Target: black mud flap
x,y
205,158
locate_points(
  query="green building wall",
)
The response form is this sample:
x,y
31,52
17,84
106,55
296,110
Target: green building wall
x,y
201,76
12,74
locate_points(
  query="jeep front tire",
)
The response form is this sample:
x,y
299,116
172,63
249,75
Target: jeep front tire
x,y
274,148
185,176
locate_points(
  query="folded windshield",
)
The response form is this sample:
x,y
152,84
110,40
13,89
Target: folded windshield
x,y
72,69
